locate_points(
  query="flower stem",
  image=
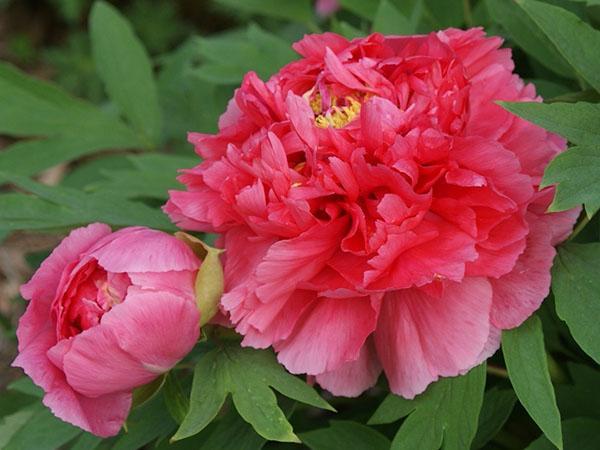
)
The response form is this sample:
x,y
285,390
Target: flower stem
x,y
468,15
497,371
580,226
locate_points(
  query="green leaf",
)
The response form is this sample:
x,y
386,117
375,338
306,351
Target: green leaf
x,y
296,10
582,397
576,284
576,41
362,8
229,431
145,424
175,398
392,408
188,101
525,357
345,29
31,107
145,393
528,35
152,176
33,156
497,406
25,386
11,401
255,49
578,122
445,415
248,375
35,428
74,128
446,13
577,175
86,441
125,69
388,20
345,435
56,207
580,434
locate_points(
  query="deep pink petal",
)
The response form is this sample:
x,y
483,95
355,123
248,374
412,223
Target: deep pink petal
x,y
96,365
145,250
420,338
157,328
290,261
44,282
354,377
331,334
521,292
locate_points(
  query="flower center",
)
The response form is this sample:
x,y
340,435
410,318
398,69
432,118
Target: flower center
x,y
91,293
336,112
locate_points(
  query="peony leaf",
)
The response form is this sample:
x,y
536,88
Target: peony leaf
x,y
577,175
209,282
57,207
580,434
71,127
446,413
576,41
582,397
145,424
497,406
525,357
392,408
528,35
175,399
144,393
365,9
296,11
35,427
254,49
86,441
345,435
446,13
152,176
248,376
578,122
125,68
575,284
388,20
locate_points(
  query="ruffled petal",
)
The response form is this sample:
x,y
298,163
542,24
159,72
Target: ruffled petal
x,y
354,377
420,338
330,334
138,249
45,281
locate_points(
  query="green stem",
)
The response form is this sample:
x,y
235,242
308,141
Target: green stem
x,y
580,226
467,13
313,27
497,371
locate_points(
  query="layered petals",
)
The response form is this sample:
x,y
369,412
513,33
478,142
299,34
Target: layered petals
x,y
379,208
108,312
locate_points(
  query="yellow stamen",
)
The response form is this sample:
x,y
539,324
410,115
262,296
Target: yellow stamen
x,y
339,116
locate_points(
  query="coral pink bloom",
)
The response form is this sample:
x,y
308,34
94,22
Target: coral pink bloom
x,y
107,312
379,209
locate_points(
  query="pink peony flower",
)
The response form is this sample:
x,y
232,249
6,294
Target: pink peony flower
x,y
108,312
378,209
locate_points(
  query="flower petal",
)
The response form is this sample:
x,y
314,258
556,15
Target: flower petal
x,y
45,281
420,338
330,334
354,377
